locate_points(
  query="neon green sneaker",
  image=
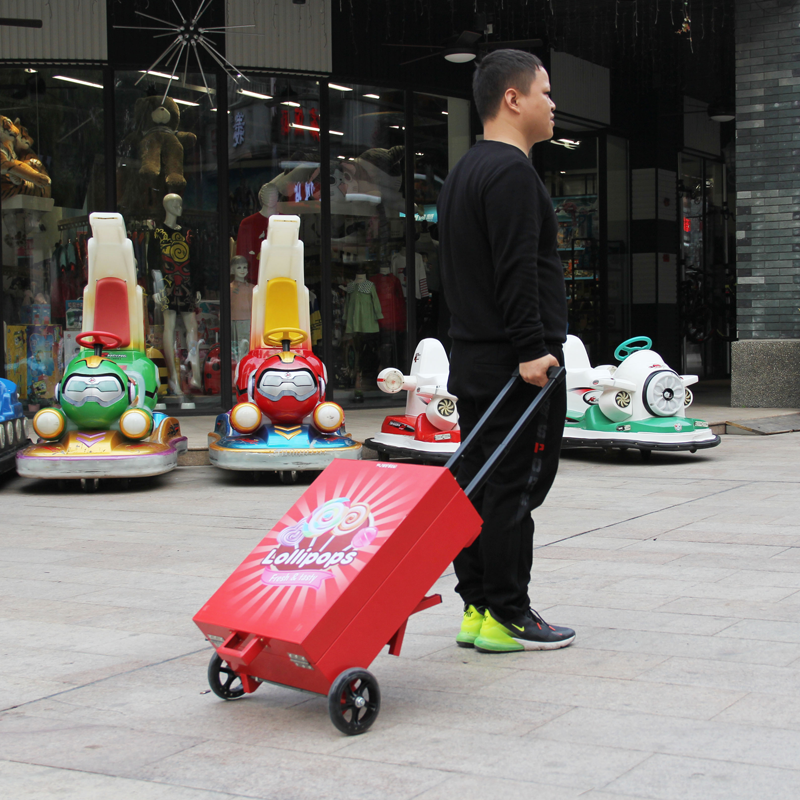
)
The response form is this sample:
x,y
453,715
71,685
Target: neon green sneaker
x,y
527,632
470,626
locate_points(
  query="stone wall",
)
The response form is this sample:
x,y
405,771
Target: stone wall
x,y
768,186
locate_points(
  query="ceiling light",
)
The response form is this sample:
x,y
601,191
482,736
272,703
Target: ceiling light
x,y
31,70
188,103
445,113
570,144
316,130
254,94
290,103
372,96
340,88
159,74
722,111
342,157
75,80
459,55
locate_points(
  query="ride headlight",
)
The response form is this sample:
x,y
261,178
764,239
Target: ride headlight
x,y
105,390
299,384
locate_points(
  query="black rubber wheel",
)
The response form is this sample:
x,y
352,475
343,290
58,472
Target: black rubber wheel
x,y
646,454
354,701
383,456
90,485
288,476
224,682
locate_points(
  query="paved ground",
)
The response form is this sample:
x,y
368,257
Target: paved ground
x,y
681,576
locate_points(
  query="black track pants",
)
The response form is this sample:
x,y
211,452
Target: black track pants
x,y
495,570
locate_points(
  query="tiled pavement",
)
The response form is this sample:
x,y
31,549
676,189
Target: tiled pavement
x,y
681,577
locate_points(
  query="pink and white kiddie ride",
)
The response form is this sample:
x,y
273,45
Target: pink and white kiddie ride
x,y
429,428
639,404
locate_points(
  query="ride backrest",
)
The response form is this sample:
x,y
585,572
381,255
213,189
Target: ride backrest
x,y
281,259
112,300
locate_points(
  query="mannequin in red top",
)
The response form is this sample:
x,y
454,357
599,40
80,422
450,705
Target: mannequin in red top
x,y
253,229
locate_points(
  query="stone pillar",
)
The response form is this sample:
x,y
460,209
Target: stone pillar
x,y
768,204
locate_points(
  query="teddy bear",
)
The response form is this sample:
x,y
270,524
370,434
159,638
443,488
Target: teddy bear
x,y
18,177
26,154
161,144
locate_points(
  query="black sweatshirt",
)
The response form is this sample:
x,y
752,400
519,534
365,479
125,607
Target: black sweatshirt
x,y
500,270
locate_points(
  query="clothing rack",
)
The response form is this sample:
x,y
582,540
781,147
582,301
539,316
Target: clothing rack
x,y
73,222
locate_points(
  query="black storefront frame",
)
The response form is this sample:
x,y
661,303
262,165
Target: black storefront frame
x,y
326,301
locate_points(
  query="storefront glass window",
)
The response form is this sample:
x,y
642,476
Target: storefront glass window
x,y
571,176
706,295
273,157
370,283
441,137
167,194
53,177
617,316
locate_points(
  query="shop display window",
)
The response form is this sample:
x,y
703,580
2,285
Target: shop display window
x,y
441,137
707,286
572,181
167,193
370,281
591,207
53,177
274,168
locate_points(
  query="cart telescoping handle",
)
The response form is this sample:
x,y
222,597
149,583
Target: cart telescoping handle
x,y
555,375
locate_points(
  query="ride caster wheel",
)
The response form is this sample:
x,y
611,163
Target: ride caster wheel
x,y
354,701
224,682
90,485
383,456
288,476
646,454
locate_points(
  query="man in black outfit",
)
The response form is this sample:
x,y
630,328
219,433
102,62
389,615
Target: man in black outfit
x,y
504,285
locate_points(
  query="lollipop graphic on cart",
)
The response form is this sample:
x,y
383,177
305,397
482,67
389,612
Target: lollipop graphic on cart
x,y
307,550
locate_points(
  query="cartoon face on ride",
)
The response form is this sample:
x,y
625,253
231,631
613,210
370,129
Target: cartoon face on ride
x,y
287,392
95,392
287,388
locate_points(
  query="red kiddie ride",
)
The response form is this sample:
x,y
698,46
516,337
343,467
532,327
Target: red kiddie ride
x,y
281,421
337,578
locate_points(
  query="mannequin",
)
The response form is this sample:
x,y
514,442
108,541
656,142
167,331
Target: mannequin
x,y
420,281
393,307
170,253
253,229
241,307
361,314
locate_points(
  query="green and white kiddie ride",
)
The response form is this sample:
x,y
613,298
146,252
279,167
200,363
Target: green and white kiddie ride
x,y
639,404
107,426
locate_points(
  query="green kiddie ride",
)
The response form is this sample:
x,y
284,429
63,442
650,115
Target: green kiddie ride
x,y
107,426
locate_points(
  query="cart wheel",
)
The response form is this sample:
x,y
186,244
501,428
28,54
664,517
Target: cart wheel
x,y
645,454
383,456
90,484
354,701
288,476
224,682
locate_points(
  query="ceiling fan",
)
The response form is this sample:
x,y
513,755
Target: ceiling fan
x,y
465,47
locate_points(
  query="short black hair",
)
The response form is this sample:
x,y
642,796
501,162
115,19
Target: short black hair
x,y
496,72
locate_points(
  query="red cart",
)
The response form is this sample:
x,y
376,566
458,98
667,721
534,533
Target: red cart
x,y
338,577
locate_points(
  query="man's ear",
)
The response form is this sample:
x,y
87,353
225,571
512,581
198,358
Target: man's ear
x,y
511,100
